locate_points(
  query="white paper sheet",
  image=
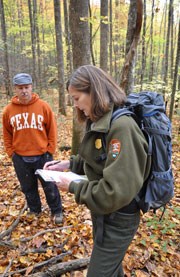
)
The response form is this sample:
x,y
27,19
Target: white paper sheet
x,y
55,176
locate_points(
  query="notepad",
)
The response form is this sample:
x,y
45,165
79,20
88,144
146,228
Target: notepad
x,y
55,176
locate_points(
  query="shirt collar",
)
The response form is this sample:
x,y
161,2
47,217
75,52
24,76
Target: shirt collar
x,y
103,124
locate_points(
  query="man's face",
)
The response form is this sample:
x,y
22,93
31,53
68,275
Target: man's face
x,y
24,93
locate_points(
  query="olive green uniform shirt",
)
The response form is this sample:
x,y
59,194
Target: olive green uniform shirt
x,y
113,182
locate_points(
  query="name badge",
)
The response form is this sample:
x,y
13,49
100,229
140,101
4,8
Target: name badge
x,y
98,144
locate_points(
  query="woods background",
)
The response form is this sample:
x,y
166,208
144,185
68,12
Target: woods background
x,y
48,39
138,43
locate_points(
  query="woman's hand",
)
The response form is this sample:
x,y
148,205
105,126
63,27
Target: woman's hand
x,y
57,165
63,185
60,166
65,180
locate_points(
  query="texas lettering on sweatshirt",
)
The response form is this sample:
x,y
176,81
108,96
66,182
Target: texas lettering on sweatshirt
x,y
27,120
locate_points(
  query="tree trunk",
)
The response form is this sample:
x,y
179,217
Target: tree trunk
x,y
110,38
91,36
133,32
6,73
38,50
67,39
21,24
165,79
42,31
104,30
160,44
60,62
116,44
164,38
175,75
151,59
172,42
80,34
33,42
143,62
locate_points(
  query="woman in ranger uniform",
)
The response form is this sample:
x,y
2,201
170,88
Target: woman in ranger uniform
x,y
115,172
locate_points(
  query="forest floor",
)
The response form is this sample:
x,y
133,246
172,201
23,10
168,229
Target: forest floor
x,y
35,244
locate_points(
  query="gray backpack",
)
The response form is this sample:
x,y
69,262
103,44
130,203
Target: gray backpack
x,y
148,110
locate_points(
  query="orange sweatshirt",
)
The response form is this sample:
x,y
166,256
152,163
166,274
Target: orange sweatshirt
x,y
29,129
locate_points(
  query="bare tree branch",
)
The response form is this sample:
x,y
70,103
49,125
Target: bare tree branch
x,y
43,249
44,232
62,268
13,226
7,268
52,260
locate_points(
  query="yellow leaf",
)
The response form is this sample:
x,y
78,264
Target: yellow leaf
x,y
25,260
13,211
156,245
163,258
2,269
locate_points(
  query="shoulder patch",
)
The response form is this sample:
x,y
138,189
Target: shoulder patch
x,y
114,148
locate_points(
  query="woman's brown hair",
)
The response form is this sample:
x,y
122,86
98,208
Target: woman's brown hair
x,y
103,89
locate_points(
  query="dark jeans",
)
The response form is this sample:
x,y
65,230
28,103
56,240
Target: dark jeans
x,y
118,232
29,184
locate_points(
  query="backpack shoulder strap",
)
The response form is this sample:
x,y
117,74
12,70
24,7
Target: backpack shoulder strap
x,y
119,112
126,111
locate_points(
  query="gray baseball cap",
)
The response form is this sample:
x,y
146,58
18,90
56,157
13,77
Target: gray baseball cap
x,y
22,79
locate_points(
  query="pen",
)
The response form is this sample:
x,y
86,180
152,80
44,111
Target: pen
x,y
56,162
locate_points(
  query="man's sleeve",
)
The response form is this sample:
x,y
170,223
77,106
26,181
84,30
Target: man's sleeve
x,y
7,135
51,130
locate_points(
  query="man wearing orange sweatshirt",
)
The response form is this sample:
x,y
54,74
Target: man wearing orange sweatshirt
x,y
30,138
